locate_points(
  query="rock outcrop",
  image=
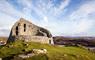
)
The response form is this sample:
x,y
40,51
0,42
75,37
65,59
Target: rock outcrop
x,y
27,31
33,53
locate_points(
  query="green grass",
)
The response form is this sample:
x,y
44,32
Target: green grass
x,y
54,52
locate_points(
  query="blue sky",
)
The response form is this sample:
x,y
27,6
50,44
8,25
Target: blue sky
x,y
61,17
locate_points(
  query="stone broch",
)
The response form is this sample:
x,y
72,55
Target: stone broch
x,y
27,31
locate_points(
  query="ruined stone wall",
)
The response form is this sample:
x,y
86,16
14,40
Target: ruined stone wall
x,y
40,39
25,30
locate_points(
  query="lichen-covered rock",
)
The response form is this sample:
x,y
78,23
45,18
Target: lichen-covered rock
x,y
27,31
39,51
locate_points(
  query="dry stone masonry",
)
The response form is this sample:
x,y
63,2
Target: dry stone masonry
x,y
27,31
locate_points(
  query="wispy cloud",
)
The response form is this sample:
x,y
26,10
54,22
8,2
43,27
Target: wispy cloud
x,y
84,10
61,7
81,16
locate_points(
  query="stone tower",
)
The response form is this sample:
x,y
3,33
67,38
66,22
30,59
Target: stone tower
x,y
27,31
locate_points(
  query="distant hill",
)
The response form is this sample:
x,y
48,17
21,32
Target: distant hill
x,y
85,41
3,38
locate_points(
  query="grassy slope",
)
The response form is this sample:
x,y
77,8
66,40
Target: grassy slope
x,y
54,52
65,53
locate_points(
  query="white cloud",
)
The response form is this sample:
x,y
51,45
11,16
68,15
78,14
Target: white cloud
x,y
78,23
6,23
10,10
83,26
45,19
62,6
83,11
81,17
